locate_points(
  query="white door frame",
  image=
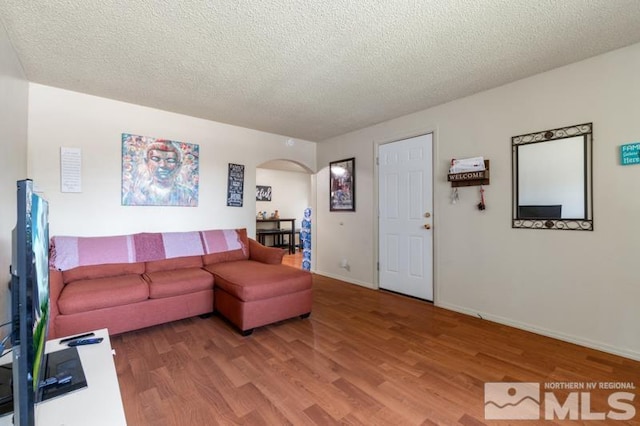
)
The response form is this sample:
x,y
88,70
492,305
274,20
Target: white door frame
x,y
435,171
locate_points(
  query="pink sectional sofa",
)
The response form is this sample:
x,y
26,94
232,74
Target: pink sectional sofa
x,y
129,282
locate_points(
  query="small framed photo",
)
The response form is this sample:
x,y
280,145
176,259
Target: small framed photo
x,y
263,193
342,185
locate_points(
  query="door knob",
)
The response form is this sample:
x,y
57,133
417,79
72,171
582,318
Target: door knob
x,y
427,226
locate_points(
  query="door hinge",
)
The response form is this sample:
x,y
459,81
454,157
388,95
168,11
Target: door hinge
x,y
377,161
377,266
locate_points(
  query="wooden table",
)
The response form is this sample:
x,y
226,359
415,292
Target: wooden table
x,y
277,232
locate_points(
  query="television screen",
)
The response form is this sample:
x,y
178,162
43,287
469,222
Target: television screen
x,y
540,212
40,245
29,300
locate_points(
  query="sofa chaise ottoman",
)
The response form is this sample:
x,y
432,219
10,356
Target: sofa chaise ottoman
x,y
128,282
260,290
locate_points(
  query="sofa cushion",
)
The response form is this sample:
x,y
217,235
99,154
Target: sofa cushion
x,y
230,255
249,280
97,293
174,263
102,271
177,282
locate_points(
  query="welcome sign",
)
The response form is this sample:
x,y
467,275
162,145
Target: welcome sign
x,y
630,154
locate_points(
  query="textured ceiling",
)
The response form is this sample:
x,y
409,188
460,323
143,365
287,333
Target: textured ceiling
x,y
302,68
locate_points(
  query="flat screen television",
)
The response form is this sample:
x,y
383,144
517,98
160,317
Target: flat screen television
x,y
29,300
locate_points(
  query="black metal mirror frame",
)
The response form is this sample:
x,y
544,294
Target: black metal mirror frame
x,y
569,224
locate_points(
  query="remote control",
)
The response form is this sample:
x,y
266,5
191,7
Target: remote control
x,y
80,342
81,336
64,378
61,379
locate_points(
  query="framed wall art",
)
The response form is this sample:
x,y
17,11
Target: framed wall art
x,y
263,193
342,185
235,185
159,172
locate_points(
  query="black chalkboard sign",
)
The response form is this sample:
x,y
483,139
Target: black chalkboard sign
x,y
235,185
263,193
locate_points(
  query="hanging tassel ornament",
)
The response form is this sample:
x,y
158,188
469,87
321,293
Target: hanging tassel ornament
x,y
481,204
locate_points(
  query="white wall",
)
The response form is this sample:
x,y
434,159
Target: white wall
x,y
579,286
291,193
60,118
14,91
346,235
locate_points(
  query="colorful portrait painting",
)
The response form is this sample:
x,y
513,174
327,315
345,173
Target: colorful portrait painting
x,y
159,172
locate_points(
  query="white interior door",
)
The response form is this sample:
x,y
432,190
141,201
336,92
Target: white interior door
x,y
405,216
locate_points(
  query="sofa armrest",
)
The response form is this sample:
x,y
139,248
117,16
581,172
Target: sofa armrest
x,y
264,254
55,288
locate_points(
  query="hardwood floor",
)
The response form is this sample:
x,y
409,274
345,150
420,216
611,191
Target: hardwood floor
x,y
363,357
294,260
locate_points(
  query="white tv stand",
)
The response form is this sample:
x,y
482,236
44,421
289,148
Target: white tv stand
x,y
99,403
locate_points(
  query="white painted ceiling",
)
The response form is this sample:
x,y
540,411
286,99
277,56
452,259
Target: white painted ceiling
x,y
303,68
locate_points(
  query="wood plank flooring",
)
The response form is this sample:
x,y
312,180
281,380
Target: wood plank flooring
x,y
363,357
294,260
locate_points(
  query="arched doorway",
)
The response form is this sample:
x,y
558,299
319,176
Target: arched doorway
x,y
287,187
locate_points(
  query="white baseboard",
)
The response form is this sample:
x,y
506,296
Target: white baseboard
x,y
545,332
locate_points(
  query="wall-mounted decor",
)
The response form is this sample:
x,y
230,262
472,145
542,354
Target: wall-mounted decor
x,y
342,185
552,179
630,154
159,172
263,193
235,185
469,172
70,169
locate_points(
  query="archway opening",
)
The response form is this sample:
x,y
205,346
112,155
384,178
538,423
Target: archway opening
x,y
283,190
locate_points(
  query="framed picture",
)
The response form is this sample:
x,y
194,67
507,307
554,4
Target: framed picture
x,y
235,185
263,193
159,172
342,185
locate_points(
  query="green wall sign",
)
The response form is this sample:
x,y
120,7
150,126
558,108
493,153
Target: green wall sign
x,y
630,154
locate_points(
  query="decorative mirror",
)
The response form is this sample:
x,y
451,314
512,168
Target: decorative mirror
x,y
552,179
